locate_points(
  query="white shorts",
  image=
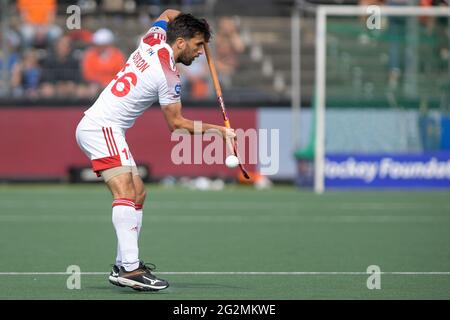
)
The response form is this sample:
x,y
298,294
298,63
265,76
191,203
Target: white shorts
x,y
106,147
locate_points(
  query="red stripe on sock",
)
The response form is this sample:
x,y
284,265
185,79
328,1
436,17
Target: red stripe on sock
x,y
139,206
123,202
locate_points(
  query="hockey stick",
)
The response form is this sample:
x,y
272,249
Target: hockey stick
x,y
226,120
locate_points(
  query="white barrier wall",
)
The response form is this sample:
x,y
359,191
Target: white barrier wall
x,y
280,118
368,131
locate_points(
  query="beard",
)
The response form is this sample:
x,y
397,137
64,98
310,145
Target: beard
x,y
184,59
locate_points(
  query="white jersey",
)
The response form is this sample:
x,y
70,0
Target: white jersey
x,y
150,74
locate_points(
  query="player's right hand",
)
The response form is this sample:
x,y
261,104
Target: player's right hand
x,y
228,133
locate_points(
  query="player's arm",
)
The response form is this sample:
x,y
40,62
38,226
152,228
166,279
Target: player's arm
x,y
165,18
168,15
175,120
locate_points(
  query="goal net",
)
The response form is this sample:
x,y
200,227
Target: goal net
x,y
382,106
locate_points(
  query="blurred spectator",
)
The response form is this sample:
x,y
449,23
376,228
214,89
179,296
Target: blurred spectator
x,y
38,28
80,38
112,5
61,71
195,79
399,53
396,35
439,25
429,129
154,6
13,42
371,2
102,61
26,75
228,45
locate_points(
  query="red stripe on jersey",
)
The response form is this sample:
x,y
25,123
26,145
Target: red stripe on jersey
x,y
113,140
107,142
171,74
151,40
161,36
164,58
106,163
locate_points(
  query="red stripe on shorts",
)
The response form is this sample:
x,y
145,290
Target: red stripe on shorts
x,y
113,140
107,142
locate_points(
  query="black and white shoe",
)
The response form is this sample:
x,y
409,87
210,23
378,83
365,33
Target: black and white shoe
x,y
141,279
114,275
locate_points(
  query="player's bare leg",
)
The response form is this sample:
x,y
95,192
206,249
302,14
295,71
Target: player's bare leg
x,y
139,188
141,194
122,186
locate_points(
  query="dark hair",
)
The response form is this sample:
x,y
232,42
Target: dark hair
x,y
186,26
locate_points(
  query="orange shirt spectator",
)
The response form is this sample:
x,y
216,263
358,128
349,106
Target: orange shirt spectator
x,y
38,28
37,12
103,60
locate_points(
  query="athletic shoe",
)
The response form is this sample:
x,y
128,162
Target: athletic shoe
x,y
141,279
114,275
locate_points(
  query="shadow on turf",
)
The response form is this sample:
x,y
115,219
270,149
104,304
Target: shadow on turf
x,y
176,285
182,285
125,290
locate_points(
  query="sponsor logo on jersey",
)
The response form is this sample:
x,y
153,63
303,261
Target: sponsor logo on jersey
x,y
178,89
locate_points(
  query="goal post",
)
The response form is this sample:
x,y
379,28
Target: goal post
x,y
323,14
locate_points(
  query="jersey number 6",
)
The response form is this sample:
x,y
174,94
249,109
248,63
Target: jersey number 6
x,y
123,84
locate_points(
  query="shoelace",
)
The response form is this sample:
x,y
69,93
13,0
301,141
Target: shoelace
x,y
114,265
148,266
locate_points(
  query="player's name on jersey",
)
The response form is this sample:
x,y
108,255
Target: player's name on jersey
x,y
139,62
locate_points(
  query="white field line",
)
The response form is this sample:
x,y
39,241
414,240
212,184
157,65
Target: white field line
x,y
233,218
243,205
243,273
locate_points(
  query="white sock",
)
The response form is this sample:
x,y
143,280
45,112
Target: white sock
x,y
139,215
126,224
